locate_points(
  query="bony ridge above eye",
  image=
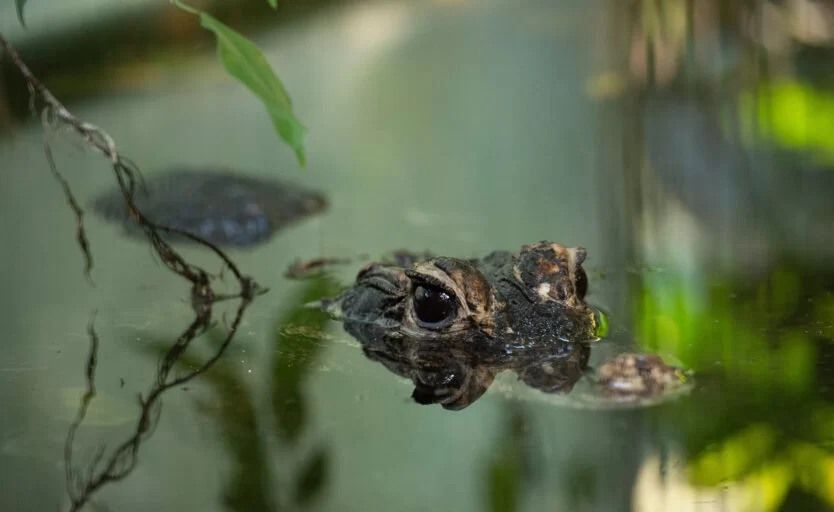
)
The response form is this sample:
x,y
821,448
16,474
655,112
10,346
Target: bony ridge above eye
x,y
434,307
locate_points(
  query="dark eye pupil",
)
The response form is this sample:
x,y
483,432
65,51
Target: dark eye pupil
x,y
433,305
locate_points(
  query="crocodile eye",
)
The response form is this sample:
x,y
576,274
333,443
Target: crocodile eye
x,y
433,306
581,283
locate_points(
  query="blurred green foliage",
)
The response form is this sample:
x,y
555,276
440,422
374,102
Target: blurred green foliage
x,y
794,115
706,325
507,467
761,417
299,341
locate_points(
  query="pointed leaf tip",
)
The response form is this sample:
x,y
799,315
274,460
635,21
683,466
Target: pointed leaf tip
x,y
244,60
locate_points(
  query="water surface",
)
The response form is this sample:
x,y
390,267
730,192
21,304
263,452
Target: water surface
x,y
662,145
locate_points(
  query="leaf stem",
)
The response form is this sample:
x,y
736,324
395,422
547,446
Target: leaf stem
x,y
185,7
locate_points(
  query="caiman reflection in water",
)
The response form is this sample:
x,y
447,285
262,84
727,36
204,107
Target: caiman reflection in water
x,y
452,325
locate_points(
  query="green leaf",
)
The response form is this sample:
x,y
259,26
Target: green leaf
x,y
273,3
19,6
245,61
295,354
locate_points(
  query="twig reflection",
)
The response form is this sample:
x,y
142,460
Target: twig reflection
x,y
255,434
122,460
74,480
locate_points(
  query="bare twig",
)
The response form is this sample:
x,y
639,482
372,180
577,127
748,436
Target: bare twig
x,y
125,170
120,462
80,233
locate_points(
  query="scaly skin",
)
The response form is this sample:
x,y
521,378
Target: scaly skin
x,y
525,312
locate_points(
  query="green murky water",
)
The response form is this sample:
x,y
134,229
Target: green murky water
x,y
690,154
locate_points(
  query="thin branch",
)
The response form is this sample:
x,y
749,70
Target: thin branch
x,y
120,462
80,233
125,170
90,373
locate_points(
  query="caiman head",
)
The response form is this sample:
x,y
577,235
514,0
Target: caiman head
x,y
450,325
502,301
